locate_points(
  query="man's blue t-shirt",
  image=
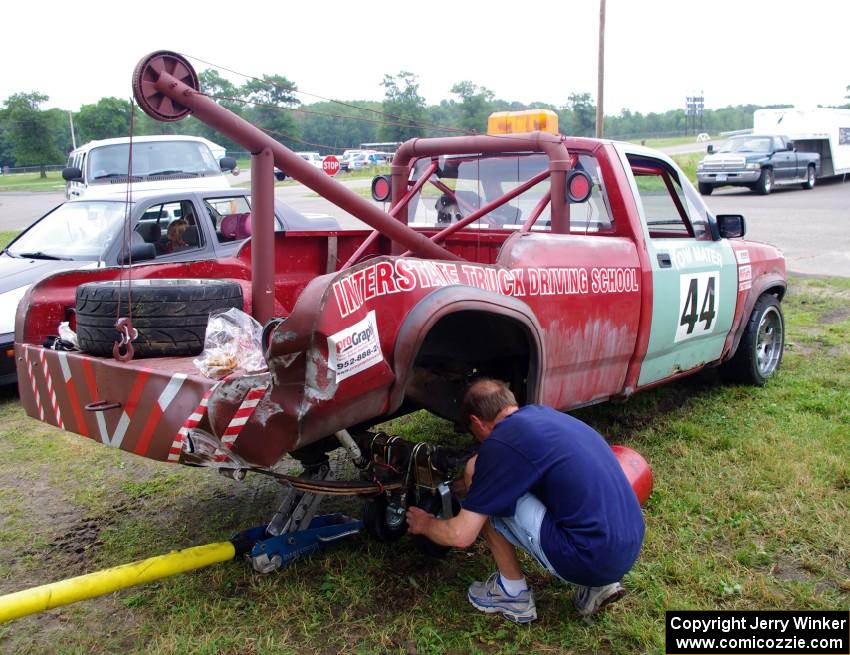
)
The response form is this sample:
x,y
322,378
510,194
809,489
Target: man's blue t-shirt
x,y
593,528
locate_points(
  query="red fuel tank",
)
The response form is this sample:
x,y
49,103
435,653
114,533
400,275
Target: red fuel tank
x,y
637,471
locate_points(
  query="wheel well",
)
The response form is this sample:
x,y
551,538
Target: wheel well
x,y
777,290
468,344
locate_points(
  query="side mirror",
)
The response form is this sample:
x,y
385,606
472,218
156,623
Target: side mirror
x,y
72,174
731,226
140,252
790,146
710,149
227,163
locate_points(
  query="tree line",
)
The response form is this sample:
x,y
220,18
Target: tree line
x,y
31,136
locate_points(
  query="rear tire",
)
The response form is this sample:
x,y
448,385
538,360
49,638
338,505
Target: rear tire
x,y
170,315
705,189
760,350
765,182
810,179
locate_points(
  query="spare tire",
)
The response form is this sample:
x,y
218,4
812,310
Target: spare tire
x,y
170,315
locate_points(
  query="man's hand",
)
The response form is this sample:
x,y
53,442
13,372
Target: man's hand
x,y
459,531
418,520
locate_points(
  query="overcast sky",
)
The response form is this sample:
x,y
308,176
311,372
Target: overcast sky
x,y
657,52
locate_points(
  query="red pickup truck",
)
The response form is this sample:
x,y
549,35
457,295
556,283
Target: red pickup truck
x,y
576,269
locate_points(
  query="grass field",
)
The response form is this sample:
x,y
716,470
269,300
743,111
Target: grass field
x,y
6,236
688,164
751,510
32,182
666,141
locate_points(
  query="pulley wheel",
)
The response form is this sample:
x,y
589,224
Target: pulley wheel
x,y
153,102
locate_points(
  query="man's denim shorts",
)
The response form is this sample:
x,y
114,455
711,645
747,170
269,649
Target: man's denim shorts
x,y
523,528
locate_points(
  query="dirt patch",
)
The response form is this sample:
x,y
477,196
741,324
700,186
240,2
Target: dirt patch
x,y
41,506
80,538
803,349
838,315
790,570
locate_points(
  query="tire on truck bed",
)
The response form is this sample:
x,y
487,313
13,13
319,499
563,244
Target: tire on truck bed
x,y
170,315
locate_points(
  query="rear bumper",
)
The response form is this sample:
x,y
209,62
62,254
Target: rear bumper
x,y
148,406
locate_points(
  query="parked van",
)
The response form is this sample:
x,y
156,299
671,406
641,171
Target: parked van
x,y
159,162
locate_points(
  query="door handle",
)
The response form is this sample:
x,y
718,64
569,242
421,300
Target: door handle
x,y
664,260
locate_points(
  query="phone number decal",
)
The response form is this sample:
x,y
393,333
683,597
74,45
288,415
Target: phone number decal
x,y
355,348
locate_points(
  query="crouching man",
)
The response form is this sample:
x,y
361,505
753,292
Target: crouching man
x,y
546,483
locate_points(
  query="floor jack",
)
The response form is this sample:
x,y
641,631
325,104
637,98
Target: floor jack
x,y
295,531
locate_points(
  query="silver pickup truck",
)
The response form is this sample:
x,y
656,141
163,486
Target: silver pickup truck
x,y
758,162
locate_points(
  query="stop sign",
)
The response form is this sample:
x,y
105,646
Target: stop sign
x,y
330,165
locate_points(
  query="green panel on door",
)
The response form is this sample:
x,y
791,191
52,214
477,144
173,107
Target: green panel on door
x,y
693,304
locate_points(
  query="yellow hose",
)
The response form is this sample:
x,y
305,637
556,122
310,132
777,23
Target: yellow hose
x,y
64,592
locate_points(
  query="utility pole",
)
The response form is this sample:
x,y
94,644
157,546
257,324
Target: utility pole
x,y
71,121
600,115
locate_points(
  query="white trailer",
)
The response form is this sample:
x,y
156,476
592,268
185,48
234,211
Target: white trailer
x,y
824,131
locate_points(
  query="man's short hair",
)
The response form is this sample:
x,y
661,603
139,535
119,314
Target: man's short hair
x,y
485,398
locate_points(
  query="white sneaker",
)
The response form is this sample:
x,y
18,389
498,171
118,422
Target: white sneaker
x,y
590,600
490,597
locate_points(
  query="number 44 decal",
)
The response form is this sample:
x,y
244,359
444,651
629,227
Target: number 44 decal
x,y
699,297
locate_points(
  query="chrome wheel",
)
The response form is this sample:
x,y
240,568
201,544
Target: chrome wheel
x,y
759,353
764,184
769,342
810,178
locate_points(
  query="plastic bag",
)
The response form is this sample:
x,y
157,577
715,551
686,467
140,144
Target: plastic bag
x,y
232,341
68,335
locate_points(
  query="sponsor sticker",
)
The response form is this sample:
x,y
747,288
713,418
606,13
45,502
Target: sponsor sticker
x,y
355,348
693,256
743,256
